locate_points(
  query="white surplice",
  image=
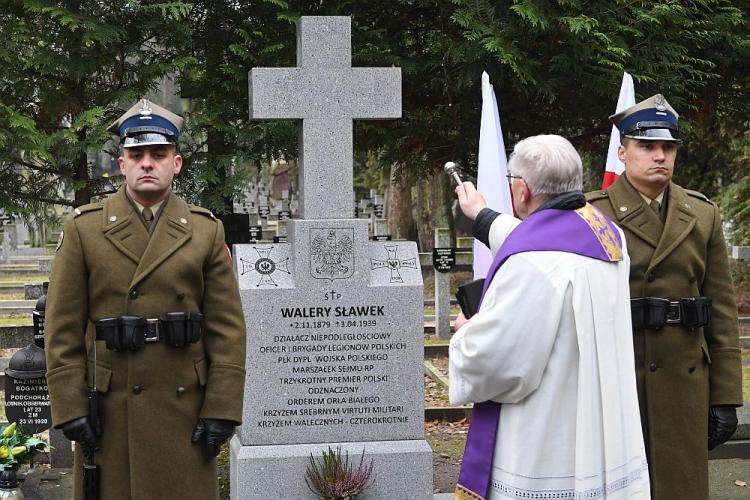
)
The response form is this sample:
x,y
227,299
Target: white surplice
x,y
552,342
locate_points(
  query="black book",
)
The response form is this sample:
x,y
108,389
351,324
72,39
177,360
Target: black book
x,y
468,296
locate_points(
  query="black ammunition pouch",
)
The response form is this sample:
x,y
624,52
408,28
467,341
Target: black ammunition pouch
x,y
696,311
132,333
181,328
655,312
124,333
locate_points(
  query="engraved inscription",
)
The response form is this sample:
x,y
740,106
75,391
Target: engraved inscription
x,y
333,363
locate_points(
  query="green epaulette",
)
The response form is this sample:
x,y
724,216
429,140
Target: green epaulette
x,y
596,195
697,194
203,211
88,208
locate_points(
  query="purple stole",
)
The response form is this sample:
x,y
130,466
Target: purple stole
x,y
584,231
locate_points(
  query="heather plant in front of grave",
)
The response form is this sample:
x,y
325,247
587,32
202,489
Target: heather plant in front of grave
x,y
332,477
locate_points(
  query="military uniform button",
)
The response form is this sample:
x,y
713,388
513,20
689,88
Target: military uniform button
x,y
650,277
134,294
180,391
693,279
653,367
137,389
112,218
180,296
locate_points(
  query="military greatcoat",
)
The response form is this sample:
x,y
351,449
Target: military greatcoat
x,y
107,265
679,371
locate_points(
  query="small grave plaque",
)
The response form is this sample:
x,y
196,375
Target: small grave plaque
x,y
444,259
279,239
285,215
382,237
256,233
264,211
378,210
27,403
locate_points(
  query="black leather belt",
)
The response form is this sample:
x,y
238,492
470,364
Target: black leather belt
x,y
655,312
131,333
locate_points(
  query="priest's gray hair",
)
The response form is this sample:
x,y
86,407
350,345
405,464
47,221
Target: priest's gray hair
x,y
549,164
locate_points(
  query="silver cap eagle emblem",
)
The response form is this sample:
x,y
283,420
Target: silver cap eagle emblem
x,y
145,108
660,102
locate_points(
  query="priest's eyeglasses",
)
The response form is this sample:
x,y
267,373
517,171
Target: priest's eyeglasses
x,y
510,177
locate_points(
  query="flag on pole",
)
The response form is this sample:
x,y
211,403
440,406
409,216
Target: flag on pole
x,y
492,169
614,167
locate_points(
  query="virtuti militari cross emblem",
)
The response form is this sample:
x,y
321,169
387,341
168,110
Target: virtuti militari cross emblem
x,y
394,264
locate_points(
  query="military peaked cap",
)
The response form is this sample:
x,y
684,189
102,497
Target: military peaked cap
x,y
147,124
650,120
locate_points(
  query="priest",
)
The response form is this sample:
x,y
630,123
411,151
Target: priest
x,y
548,358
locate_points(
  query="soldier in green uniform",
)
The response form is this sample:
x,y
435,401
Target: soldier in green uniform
x,y
685,330
148,280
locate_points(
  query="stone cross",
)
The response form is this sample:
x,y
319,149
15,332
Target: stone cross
x,y
326,93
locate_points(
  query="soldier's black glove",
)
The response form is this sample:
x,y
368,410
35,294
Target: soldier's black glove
x,y
213,432
80,431
722,422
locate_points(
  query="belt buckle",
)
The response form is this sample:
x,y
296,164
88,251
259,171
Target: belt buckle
x,y
152,330
673,313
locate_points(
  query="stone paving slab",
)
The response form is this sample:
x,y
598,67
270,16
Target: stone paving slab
x,y
48,484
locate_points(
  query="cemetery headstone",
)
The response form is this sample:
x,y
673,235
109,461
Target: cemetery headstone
x,y
442,289
380,229
5,246
264,211
335,335
256,233
11,232
26,395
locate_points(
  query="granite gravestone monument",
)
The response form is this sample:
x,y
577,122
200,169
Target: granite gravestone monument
x,y
335,335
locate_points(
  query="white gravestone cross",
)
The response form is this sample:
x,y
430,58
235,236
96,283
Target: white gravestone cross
x,y
326,93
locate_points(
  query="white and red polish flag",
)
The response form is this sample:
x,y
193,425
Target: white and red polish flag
x,y
614,167
491,171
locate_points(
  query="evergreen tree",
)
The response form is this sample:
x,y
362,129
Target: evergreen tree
x,y
68,69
